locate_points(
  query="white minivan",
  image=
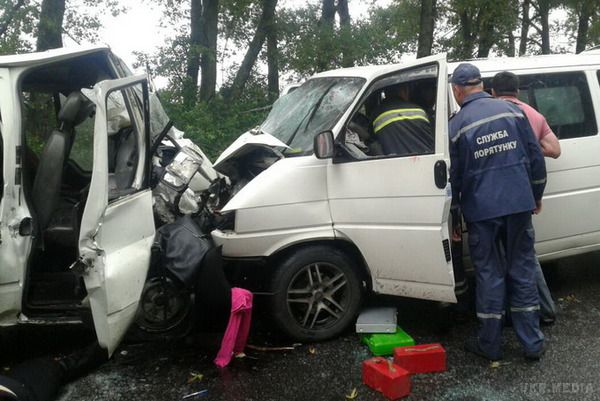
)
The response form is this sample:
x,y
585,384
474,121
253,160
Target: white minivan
x,y
308,209
332,216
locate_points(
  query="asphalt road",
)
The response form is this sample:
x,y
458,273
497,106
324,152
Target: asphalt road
x,y
570,369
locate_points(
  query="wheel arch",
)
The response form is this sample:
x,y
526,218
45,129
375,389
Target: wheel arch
x,y
347,247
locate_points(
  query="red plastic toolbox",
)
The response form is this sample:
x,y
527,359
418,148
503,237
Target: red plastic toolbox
x,y
425,358
386,377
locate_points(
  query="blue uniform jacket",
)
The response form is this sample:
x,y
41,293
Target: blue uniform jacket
x,y
497,166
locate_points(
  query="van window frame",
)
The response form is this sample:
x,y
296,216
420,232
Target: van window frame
x,y
342,155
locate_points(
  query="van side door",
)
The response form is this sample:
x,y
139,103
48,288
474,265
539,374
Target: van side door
x,y
395,207
117,228
15,243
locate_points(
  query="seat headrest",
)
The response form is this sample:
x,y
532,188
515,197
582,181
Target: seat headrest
x,y
75,109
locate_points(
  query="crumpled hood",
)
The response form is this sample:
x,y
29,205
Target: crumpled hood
x,y
246,141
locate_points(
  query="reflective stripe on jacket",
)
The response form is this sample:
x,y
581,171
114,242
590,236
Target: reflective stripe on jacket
x,y
391,116
402,128
497,166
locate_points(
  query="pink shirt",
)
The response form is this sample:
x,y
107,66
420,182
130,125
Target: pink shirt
x,y
536,119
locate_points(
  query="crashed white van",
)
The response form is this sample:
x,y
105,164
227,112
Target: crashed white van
x,y
76,220
324,214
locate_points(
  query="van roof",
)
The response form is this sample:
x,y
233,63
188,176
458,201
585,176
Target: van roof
x,y
491,66
20,60
487,66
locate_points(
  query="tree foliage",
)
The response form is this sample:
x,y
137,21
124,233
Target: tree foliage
x,y
222,63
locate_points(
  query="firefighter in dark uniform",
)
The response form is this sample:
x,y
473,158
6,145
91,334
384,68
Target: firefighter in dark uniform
x,y
498,178
401,127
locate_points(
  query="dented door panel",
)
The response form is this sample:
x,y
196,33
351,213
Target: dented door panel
x,y
115,238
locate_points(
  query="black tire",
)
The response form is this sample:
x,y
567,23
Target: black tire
x,y
317,293
164,312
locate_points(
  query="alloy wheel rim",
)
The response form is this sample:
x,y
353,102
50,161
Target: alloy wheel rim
x,y
318,296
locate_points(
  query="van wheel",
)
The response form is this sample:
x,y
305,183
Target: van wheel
x,y
164,311
317,293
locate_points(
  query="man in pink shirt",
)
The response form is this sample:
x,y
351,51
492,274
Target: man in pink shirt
x,y
505,85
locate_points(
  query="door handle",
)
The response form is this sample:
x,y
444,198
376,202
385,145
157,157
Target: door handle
x,y
440,174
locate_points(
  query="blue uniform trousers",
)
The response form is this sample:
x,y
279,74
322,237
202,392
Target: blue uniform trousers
x,y
505,266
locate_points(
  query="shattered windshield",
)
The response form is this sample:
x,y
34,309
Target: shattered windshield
x,y
312,108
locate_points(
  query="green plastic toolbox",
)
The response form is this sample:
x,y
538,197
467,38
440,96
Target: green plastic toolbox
x,y
384,344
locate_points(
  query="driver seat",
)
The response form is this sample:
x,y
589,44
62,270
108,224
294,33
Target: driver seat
x,y
48,178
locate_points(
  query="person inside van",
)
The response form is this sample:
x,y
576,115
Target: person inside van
x,y
402,127
505,85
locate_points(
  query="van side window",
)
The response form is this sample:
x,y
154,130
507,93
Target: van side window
x,y
396,118
564,99
124,136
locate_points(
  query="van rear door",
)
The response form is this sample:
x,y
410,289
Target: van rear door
x,y
395,208
117,228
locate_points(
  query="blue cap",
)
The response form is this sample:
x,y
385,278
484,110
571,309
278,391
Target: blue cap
x,y
465,75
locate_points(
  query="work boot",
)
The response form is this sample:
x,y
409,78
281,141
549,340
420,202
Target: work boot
x,y
535,356
472,346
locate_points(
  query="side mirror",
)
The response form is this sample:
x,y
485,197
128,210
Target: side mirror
x,y
323,145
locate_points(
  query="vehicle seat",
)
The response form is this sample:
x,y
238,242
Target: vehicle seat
x,y
122,160
48,178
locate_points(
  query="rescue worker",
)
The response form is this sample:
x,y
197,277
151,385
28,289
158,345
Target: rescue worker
x,y
401,127
505,85
498,178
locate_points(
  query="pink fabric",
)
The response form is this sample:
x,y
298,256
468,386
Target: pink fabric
x,y
536,120
236,334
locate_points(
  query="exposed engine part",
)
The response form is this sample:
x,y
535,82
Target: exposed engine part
x,y
182,176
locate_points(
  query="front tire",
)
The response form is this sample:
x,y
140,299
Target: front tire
x,y
317,293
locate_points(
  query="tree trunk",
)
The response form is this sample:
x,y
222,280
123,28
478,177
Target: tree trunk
x,y
345,33
325,26
544,7
196,44
241,77
511,50
272,61
524,28
583,26
208,62
486,36
327,13
49,32
465,51
426,27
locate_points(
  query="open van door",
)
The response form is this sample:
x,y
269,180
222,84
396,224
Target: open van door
x,y
117,228
395,208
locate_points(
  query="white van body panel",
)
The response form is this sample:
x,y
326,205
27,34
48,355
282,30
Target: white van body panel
x,y
285,204
14,249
